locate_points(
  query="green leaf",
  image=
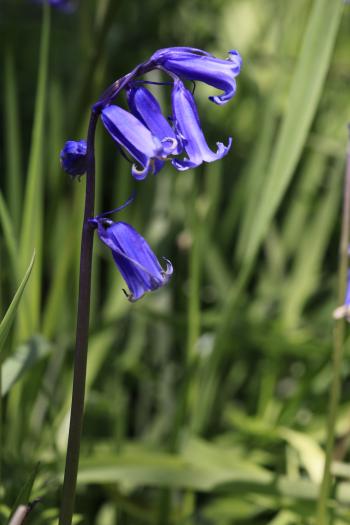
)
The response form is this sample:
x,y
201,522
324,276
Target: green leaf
x,y
8,319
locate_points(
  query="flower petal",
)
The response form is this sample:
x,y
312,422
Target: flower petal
x,y
134,258
191,65
188,125
134,137
146,108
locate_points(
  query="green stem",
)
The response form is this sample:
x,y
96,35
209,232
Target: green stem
x,y
338,350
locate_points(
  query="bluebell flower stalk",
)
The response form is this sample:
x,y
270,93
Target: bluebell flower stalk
x,y
82,331
151,139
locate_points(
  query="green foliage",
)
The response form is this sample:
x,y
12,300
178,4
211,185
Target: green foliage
x,y
207,400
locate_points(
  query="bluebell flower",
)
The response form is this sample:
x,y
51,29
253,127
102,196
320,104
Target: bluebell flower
x,y
73,157
146,108
145,133
133,136
194,64
189,128
343,311
133,256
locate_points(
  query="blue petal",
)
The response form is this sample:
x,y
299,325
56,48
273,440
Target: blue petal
x,y
147,109
73,157
176,52
191,65
347,293
134,258
134,137
188,125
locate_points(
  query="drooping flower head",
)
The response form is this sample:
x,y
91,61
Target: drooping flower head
x,y
146,108
152,138
189,128
133,257
194,64
128,132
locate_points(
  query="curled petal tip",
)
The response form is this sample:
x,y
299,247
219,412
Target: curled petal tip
x,y
170,145
235,57
141,173
168,270
222,149
220,100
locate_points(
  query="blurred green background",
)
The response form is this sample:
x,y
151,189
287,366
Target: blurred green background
x,y
206,401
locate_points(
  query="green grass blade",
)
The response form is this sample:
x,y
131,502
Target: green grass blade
x,y
9,235
8,319
304,96
12,139
31,231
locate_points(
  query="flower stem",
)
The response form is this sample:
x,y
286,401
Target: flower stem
x,y
81,345
338,350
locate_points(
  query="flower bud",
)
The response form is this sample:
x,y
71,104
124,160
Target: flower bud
x,y
73,157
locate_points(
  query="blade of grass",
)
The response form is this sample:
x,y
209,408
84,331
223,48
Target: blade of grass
x,y
5,326
12,140
9,317
9,236
32,223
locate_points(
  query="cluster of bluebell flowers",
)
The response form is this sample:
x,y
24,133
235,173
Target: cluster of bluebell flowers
x,y
150,138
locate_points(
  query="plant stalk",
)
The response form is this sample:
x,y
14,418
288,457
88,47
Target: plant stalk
x,y
81,346
338,350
